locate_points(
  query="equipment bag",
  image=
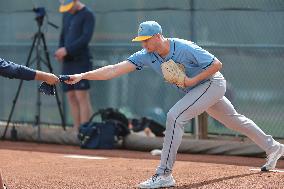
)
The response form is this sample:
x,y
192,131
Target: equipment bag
x,y
94,135
103,135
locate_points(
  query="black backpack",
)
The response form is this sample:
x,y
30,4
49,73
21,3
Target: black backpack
x,y
154,126
114,115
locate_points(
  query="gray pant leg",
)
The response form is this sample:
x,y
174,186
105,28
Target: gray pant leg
x,y
192,104
224,112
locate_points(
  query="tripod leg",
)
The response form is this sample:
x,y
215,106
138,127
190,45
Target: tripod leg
x,y
19,88
56,94
38,102
12,110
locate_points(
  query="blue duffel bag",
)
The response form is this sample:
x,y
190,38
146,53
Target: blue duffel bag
x,y
97,135
104,134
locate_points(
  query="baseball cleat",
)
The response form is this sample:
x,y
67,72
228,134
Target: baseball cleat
x,y
271,170
158,181
272,158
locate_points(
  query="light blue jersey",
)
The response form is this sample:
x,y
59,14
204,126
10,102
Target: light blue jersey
x,y
194,58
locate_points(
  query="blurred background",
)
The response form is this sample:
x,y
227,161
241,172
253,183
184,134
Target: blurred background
x,y
246,36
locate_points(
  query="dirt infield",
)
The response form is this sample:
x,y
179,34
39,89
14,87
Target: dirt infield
x,y
45,166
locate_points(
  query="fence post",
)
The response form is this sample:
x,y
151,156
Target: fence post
x,y
203,126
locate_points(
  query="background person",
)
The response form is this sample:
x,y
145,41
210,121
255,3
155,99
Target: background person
x,y
73,52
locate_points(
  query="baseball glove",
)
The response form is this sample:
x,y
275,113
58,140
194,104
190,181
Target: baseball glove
x,y
47,89
174,73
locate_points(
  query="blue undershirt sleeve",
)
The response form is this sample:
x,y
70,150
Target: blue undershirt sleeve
x,y
12,70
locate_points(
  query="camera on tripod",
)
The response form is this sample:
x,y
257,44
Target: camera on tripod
x,y
40,13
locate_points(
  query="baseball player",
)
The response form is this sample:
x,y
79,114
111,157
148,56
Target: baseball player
x,y
78,26
195,72
12,70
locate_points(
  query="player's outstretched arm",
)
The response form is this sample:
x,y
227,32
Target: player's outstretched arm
x,y
104,73
47,77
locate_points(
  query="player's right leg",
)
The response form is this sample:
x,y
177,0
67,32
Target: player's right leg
x,y
225,112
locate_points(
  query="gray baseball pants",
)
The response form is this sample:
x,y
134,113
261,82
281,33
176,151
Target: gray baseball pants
x,y
208,97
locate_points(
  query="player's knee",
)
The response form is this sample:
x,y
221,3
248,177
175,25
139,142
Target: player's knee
x,y
175,118
171,116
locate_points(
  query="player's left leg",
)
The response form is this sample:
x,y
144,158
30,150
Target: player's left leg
x,y
192,104
224,112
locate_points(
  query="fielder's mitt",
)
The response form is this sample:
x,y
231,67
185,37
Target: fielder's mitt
x,y
47,89
174,73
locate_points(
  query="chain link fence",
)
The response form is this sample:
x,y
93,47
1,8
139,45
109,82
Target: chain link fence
x,y
247,36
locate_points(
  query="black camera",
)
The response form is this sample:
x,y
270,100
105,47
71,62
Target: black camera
x,y
40,13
